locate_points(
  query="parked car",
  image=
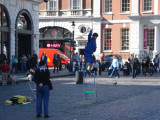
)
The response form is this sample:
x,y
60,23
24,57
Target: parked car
x,y
108,61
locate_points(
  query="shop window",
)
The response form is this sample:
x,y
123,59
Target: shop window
x,y
150,39
5,45
4,34
125,6
22,22
107,6
125,39
147,5
108,39
4,16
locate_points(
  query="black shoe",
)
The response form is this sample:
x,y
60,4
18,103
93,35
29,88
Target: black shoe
x,y
38,116
46,116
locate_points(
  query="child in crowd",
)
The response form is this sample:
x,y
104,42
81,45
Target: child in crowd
x,y
95,68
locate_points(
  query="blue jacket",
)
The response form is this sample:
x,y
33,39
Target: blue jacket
x,y
91,44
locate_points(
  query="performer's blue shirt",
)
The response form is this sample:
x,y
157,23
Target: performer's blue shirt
x,y
91,44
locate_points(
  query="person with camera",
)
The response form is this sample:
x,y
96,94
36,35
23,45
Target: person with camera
x,y
41,78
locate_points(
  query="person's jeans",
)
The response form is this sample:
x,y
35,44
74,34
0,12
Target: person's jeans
x,y
55,66
42,93
156,66
152,70
15,67
134,72
4,78
114,70
23,66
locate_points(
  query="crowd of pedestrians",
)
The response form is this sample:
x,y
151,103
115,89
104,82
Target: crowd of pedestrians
x,y
134,66
24,63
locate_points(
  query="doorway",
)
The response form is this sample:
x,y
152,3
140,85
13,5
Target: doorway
x,y
81,51
24,44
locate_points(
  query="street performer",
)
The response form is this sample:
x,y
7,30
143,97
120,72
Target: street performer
x,y
89,50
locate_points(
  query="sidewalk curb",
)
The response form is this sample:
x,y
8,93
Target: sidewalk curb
x,y
57,76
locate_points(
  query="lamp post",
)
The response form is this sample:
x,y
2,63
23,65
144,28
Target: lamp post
x,y
71,44
73,28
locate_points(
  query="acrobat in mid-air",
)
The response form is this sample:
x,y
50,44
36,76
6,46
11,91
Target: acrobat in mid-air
x,y
90,49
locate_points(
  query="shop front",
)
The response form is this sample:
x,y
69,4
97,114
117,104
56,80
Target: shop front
x,y
56,38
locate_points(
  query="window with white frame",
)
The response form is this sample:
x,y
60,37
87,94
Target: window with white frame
x,y
107,39
150,39
147,5
52,5
107,6
125,39
125,5
75,4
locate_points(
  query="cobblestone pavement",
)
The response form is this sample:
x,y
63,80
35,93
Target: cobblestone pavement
x,y
130,99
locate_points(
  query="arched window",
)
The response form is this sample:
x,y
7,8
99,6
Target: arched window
x,y
24,33
24,21
54,33
4,34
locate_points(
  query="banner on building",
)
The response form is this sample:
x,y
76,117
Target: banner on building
x,y
145,39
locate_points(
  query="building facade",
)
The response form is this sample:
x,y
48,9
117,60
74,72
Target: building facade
x,y
130,27
125,27
19,28
55,23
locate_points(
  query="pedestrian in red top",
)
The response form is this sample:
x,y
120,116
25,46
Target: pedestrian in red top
x,y
102,57
5,69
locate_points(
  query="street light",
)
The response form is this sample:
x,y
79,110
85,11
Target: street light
x,y
71,44
73,28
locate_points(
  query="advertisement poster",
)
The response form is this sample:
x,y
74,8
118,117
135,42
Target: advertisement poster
x,y
145,39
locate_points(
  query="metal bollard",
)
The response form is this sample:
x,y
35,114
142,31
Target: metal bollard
x,y
79,77
100,68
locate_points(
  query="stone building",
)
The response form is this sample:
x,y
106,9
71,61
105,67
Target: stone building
x,y
19,28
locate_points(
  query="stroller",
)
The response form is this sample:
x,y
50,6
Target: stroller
x,y
126,69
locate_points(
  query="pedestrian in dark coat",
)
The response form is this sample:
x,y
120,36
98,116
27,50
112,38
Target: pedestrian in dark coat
x,y
135,66
33,60
56,62
44,58
42,81
147,66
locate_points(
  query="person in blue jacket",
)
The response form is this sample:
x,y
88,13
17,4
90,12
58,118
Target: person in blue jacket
x,y
90,49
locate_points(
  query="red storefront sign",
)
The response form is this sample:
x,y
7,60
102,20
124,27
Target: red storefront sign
x,y
145,39
53,45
